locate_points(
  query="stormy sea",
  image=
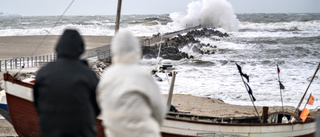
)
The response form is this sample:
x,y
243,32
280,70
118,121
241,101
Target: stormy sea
x,y
257,42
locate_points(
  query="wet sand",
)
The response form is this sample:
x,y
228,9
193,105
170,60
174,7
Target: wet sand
x,y
217,108
6,129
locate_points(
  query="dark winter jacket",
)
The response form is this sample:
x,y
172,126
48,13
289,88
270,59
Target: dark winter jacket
x,y
64,92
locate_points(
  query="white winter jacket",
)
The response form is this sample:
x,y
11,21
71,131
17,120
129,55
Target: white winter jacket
x,y
130,100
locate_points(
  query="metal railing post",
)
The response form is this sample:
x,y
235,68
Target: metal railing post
x,y
5,65
31,61
22,62
35,60
16,63
11,64
28,61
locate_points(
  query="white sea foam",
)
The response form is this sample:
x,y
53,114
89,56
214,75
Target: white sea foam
x,y
280,29
284,26
94,30
208,13
216,75
142,30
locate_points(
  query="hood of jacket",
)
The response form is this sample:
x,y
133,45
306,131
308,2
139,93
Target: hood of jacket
x,y
70,45
125,48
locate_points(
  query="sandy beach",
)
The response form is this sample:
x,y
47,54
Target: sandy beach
x,y
218,108
6,129
19,46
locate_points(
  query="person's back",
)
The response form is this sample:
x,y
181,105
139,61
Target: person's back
x,y
130,100
64,92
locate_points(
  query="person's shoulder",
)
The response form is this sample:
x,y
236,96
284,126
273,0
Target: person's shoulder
x,y
46,66
84,62
85,67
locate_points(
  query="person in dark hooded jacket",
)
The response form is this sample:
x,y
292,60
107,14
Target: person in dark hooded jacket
x,y
64,92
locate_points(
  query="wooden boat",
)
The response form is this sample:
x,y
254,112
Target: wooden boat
x,y
25,120
23,115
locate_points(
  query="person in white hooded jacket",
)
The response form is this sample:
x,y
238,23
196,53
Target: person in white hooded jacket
x,y
130,100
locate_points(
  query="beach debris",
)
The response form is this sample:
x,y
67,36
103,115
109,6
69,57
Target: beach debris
x,y
24,75
99,66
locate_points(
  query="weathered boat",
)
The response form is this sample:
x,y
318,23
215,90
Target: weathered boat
x,y
24,119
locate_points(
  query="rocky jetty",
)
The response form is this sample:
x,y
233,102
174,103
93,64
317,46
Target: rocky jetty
x,y
171,48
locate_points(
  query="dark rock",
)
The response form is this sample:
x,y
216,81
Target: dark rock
x,y
170,48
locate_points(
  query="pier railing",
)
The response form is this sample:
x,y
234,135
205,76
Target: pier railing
x,y
28,61
158,38
40,60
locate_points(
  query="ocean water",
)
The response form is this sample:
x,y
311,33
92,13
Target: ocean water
x,y
257,42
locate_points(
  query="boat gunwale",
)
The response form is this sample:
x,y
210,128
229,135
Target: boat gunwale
x,y
309,120
8,77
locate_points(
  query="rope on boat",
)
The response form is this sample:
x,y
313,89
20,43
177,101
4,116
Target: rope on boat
x,y
55,24
297,109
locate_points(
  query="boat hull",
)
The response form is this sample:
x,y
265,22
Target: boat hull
x,y
3,107
25,120
23,116
204,128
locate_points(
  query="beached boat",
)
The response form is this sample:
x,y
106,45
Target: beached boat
x,y
25,120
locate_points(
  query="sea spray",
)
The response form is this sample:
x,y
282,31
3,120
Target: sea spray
x,y
208,13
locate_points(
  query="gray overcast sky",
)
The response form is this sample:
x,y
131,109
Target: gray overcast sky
x,y
108,7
